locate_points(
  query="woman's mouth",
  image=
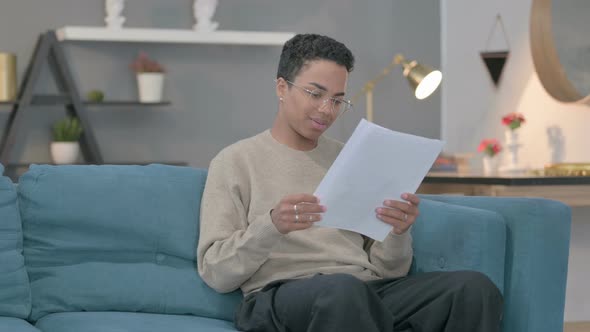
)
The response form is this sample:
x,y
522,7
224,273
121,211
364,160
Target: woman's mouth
x,y
319,124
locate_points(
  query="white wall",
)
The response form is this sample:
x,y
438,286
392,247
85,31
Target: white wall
x,y
472,109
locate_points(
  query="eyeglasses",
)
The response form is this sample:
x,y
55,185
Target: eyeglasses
x,y
317,98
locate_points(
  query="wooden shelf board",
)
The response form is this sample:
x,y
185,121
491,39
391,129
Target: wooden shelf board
x,y
125,103
49,100
179,36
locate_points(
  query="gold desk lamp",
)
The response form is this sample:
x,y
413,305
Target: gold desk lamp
x,y
422,79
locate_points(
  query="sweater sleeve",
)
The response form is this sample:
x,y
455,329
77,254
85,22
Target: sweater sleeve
x,y
393,256
231,248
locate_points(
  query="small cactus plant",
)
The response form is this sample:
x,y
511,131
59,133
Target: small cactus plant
x,y
67,129
96,96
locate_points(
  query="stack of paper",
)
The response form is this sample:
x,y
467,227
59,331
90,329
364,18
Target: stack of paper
x,y
375,164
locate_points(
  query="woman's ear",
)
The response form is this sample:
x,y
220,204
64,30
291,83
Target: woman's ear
x,y
281,88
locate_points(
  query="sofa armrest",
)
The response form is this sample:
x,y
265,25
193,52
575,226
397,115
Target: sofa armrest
x,y
537,252
449,238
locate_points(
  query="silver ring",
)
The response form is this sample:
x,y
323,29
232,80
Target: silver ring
x,y
296,218
295,208
309,217
405,217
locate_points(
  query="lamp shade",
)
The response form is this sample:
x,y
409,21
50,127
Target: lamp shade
x,y
423,79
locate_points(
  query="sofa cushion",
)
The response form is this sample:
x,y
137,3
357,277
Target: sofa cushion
x,y
116,238
130,322
11,324
15,294
450,237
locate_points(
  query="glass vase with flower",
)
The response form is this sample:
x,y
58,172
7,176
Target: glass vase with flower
x,y
512,122
490,147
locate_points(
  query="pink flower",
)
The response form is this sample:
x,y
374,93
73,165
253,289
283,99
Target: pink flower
x,y
143,64
489,146
513,120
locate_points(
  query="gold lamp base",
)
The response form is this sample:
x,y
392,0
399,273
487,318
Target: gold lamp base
x,y
7,77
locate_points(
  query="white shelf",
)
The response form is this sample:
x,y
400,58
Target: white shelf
x,y
81,33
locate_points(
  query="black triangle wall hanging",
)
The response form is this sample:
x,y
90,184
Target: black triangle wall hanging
x,y
495,61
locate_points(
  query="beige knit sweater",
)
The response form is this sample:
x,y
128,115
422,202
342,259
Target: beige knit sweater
x,y
239,246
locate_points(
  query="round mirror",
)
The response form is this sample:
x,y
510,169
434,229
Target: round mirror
x,y
560,45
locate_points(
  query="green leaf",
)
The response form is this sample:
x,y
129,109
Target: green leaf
x,y
68,129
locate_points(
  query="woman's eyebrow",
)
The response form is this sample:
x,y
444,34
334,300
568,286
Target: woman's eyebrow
x,y
321,87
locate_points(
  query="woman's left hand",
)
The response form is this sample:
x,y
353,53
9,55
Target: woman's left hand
x,y
399,214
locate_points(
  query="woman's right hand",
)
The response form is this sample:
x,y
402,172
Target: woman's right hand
x,y
296,212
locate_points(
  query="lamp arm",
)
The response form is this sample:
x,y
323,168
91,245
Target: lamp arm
x,y
367,89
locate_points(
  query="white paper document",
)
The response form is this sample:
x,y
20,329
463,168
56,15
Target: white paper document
x,y
375,164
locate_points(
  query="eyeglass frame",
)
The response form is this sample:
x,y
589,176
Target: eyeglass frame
x,y
333,100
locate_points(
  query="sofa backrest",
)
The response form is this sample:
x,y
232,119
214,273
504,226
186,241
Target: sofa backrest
x,y
116,238
15,294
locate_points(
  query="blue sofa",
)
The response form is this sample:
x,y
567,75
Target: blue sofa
x,y
112,248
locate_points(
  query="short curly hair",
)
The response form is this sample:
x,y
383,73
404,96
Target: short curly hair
x,y
303,48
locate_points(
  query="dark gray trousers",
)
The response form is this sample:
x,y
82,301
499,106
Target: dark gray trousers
x,y
428,302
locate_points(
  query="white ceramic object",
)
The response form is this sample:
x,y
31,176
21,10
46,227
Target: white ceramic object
x,y
114,9
512,146
490,165
511,136
150,87
203,11
65,152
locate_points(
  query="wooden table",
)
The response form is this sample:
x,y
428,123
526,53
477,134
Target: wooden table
x,y
571,190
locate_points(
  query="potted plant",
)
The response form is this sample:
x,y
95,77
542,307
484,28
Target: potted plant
x,y
512,121
490,148
95,96
150,78
65,148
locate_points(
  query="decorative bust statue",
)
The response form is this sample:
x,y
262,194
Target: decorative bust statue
x,y
114,8
203,11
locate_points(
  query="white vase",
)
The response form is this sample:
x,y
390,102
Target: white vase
x,y
511,136
490,165
512,146
150,87
65,152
